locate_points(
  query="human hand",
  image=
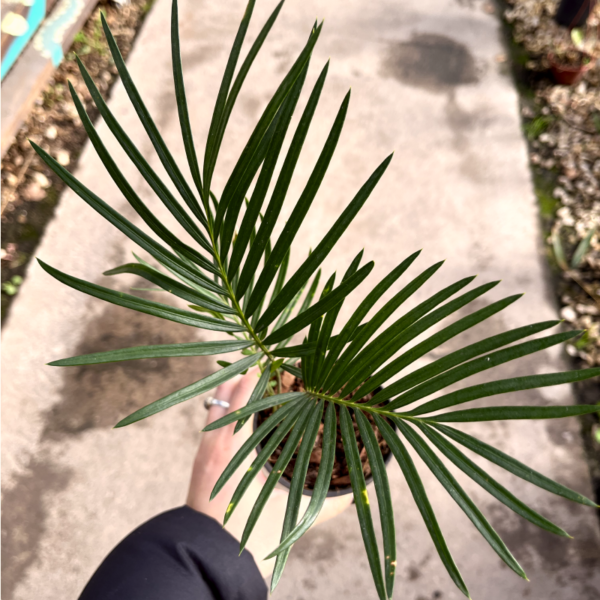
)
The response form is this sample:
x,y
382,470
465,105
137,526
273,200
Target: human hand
x,y
216,450
218,447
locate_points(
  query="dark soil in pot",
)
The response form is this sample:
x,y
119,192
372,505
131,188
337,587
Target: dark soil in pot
x,y
340,480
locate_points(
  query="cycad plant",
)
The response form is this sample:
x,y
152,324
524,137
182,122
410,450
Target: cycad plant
x,y
235,278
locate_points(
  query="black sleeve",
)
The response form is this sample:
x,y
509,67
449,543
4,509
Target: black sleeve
x,y
179,555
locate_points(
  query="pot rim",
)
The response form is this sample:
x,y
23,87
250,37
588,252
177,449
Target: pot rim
x,y
330,493
556,64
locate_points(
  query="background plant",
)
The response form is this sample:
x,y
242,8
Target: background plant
x,y
235,278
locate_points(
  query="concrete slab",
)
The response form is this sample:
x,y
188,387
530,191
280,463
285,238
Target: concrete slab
x,y
426,84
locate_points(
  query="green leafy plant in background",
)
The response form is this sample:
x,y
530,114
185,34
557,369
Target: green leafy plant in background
x,y
579,254
570,270
92,41
537,126
234,276
11,287
584,38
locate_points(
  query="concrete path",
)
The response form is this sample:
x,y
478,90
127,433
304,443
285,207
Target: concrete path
x,y
425,83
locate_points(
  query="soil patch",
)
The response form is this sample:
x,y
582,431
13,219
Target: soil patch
x,y
30,191
340,478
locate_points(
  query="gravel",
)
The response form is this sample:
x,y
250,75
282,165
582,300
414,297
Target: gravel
x,y
562,124
30,191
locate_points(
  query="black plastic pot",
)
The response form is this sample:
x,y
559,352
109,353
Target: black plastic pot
x,y
330,493
574,13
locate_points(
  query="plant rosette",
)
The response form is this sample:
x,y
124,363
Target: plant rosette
x,y
568,68
340,485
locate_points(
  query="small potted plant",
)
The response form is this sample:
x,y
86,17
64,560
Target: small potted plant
x,y
570,61
347,401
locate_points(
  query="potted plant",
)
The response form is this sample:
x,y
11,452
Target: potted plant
x,y
339,491
570,61
236,281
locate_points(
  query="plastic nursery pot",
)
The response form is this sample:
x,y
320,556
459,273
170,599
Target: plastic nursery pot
x,y
574,13
569,74
333,491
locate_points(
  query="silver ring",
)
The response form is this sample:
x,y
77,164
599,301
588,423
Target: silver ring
x,y
214,402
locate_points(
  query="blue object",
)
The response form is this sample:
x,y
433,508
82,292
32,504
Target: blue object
x,y
36,15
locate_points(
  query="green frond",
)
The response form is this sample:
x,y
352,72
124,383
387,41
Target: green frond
x,y
237,279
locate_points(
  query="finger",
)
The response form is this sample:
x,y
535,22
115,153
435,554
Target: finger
x,y
223,392
236,392
239,398
242,392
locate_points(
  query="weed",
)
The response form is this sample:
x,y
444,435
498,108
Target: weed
x,y
12,286
538,125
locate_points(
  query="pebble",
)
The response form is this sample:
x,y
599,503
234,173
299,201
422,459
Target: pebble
x,y
568,313
562,195
11,179
34,192
51,132
18,160
71,111
528,112
571,350
565,216
596,436
41,180
63,158
588,309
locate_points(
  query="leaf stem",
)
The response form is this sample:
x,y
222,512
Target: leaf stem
x,y
235,303
371,409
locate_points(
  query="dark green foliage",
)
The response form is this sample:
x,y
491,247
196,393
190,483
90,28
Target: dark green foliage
x,y
234,269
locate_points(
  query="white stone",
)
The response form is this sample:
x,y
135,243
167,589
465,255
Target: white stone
x,y
568,313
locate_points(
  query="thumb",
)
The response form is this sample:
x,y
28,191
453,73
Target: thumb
x,y
242,392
